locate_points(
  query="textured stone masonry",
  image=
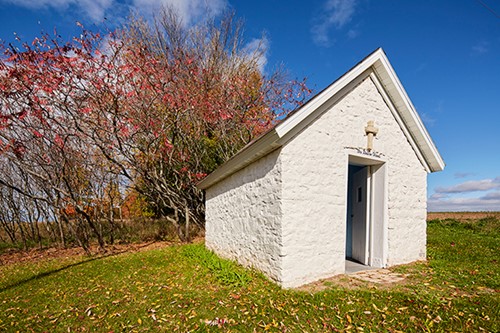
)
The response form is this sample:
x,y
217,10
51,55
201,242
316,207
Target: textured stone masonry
x,y
285,214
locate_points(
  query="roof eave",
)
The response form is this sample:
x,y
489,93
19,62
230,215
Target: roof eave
x,y
251,152
275,138
403,103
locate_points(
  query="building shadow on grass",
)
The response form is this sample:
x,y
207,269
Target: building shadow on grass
x,y
89,259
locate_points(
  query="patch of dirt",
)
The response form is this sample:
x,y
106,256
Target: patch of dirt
x,y
35,255
356,281
341,281
461,215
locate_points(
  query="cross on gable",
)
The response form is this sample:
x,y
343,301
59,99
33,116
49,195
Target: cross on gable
x,y
370,131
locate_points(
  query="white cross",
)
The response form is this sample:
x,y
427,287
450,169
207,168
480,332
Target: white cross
x,y
370,131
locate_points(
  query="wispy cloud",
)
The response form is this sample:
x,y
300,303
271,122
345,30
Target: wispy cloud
x,y
429,116
189,10
463,205
440,106
427,119
490,202
336,14
481,47
353,33
492,196
95,10
421,67
258,48
472,186
437,196
463,174
476,195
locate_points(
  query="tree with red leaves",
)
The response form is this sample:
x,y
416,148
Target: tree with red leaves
x,y
155,108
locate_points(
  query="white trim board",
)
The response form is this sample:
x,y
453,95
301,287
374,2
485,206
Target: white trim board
x,y
378,67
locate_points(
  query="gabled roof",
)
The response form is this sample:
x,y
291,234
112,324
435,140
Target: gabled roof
x,y
390,88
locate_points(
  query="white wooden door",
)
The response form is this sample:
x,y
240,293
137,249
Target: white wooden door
x,y
359,197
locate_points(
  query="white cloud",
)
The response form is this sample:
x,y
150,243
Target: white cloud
x,y
427,119
440,106
352,33
475,195
337,13
108,45
437,196
421,67
93,9
258,47
492,196
463,174
481,47
489,202
340,12
471,186
189,10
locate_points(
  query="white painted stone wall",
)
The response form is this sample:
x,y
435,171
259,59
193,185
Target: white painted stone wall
x,y
314,188
285,214
244,216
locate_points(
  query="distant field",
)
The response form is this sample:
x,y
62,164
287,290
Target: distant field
x,y
461,215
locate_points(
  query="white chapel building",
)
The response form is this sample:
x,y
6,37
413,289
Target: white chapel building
x,y
342,178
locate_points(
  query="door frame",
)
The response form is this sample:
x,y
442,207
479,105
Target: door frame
x,y
376,210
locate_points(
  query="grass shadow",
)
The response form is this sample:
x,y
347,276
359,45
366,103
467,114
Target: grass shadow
x,y
63,268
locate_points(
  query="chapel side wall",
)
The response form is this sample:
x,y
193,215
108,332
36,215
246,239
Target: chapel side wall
x,y
315,184
243,216
313,205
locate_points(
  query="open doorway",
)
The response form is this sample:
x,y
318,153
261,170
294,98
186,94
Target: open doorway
x,y
366,214
357,226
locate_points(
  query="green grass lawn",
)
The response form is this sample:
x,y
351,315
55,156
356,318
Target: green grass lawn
x,y
186,288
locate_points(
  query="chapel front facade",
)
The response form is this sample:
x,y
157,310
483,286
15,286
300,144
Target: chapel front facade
x,y
343,178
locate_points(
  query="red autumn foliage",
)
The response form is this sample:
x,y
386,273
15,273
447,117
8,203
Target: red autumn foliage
x,y
155,109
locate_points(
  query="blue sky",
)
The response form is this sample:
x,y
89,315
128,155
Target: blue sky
x,y
446,54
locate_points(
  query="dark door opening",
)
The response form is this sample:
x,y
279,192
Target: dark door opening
x,y
356,226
